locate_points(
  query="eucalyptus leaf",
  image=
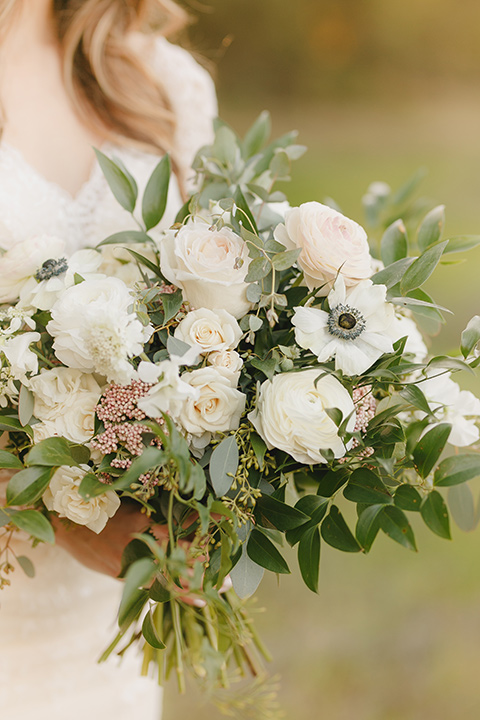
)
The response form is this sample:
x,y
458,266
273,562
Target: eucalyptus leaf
x,y
470,336
26,565
462,507
246,575
223,465
258,269
461,243
172,302
285,260
26,402
257,135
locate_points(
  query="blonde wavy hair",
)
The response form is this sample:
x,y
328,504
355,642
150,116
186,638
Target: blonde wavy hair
x,y
109,83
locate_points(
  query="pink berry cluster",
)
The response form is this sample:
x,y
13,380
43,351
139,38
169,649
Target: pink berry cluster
x,y
365,407
117,408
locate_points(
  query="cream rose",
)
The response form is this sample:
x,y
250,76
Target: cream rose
x,y
209,330
65,401
208,265
21,262
291,414
228,360
330,243
218,406
62,497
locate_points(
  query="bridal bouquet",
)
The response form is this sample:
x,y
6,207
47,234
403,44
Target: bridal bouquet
x,y
246,376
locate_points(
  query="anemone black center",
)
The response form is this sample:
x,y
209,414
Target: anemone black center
x,y
347,321
51,268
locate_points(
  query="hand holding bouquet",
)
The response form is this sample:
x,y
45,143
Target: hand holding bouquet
x,y
241,376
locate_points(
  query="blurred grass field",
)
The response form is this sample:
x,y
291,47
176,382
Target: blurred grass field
x,y
393,635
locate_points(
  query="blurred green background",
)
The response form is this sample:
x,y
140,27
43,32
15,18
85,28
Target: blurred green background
x,y
376,89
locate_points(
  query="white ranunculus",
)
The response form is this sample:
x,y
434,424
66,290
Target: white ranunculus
x,y
65,400
21,359
330,243
208,265
291,414
356,330
20,263
458,407
95,329
209,330
42,294
218,406
229,360
62,497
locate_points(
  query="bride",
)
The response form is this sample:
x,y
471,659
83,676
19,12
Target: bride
x,y
78,74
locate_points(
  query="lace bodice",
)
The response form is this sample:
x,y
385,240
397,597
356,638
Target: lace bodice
x,y
31,205
54,627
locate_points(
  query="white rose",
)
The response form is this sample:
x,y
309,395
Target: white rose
x,y
208,265
209,330
229,360
291,414
17,351
330,243
95,329
218,406
62,497
65,400
21,262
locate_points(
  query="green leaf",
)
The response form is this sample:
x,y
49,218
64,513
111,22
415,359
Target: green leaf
x,y
405,192
336,532
462,507
365,486
151,458
259,448
26,565
460,243
172,302
368,525
90,487
10,424
158,592
223,465
309,558
443,362
314,506
435,514
137,576
120,184
280,164
51,452
246,575
285,260
145,262
156,193
408,498
392,274
243,212
421,269
35,524
9,461
263,552
457,469
26,402
394,244
257,135
80,453
28,486
332,481
430,447
150,632
470,336
431,228
278,514
394,523
415,396
125,237
257,270
5,517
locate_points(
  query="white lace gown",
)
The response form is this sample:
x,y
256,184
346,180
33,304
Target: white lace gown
x,y
54,627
